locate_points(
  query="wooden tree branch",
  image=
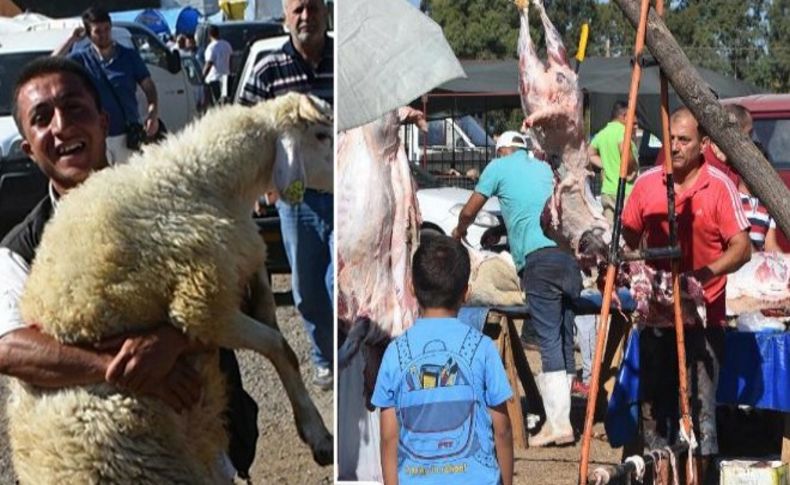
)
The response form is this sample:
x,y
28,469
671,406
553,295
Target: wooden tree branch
x,y
697,95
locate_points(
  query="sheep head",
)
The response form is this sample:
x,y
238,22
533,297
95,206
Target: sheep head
x,y
305,148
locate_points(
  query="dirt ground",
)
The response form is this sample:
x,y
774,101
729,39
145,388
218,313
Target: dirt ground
x,y
281,457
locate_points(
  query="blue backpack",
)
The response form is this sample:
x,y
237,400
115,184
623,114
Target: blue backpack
x,y
436,402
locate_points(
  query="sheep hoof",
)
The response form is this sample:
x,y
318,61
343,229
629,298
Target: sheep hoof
x,y
324,454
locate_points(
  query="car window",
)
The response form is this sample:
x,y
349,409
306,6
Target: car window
x,y
192,68
239,36
153,52
775,137
10,67
474,131
437,134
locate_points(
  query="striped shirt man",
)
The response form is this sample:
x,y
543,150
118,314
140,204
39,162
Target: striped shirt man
x,y
285,70
759,219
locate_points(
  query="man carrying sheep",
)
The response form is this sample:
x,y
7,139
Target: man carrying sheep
x,y
305,65
57,110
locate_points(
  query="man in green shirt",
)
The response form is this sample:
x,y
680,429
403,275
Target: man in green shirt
x,y
604,154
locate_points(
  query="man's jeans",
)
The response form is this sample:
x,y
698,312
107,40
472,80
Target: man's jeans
x,y
552,280
308,237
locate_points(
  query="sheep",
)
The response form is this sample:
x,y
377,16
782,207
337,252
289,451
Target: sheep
x,y
166,237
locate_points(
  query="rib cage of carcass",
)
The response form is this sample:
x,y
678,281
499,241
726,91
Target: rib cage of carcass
x,y
552,103
378,229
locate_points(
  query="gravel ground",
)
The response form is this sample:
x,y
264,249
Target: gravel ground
x,y
281,457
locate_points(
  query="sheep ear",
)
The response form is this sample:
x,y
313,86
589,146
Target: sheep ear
x,y
315,110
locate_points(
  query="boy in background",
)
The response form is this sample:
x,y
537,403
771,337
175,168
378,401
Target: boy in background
x,y
442,387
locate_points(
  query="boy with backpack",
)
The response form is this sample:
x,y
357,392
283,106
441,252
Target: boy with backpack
x,y
442,387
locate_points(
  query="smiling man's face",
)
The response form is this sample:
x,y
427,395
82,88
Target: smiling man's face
x,y
63,129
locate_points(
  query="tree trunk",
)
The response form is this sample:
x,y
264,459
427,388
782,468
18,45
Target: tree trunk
x,y
700,99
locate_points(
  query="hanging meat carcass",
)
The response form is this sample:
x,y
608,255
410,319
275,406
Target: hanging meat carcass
x,y
378,229
552,103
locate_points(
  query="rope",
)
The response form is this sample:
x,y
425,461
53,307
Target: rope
x,y
658,457
673,462
639,465
601,475
692,441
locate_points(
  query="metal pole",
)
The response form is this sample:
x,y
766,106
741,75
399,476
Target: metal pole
x,y
611,271
679,331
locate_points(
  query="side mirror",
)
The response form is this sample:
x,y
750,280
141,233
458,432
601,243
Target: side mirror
x,y
174,62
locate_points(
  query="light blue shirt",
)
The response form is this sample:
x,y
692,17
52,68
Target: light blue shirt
x,y
442,376
523,184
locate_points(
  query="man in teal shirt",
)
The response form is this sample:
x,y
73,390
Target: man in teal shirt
x,y
604,154
551,278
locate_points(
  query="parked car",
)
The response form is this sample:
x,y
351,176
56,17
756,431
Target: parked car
x,y
440,206
21,182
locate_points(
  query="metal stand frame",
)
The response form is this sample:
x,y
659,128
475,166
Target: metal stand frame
x,y
672,252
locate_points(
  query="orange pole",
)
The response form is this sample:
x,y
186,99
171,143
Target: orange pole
x,y
679,331
611,271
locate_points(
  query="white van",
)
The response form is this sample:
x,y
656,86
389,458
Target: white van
x,y
176,99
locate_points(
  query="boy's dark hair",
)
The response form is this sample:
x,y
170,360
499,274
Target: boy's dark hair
x,y
440,272
94,15
43,66
213,31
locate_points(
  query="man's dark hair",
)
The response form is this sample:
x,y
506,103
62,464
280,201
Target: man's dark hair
x,y
213,31
684,110
619,108
742,115
440,272
94,15
51,65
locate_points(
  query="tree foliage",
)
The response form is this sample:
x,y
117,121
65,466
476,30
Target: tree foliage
x,y
747,39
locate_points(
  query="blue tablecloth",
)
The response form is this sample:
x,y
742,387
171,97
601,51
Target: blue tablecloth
x,y
756,370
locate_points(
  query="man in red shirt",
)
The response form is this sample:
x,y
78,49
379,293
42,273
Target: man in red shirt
x,y
714,241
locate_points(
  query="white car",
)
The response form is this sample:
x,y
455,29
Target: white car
x,y
440,206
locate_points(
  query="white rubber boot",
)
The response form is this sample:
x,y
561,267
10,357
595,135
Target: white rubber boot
x,y
556,395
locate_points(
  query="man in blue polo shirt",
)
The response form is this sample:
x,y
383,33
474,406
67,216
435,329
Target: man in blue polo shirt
x,y
305,65
116,71
551,278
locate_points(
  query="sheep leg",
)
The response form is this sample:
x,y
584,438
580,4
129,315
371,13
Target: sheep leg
x,y
263,306
247,333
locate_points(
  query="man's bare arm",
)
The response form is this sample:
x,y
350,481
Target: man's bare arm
x,y
595,157
388,427
152,118
738,253
40,360
65,47
468,213
503,442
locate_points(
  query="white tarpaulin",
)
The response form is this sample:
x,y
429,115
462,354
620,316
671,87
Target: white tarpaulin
x,y
389,54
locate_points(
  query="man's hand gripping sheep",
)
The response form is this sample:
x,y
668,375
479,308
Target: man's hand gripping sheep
x,y
165,238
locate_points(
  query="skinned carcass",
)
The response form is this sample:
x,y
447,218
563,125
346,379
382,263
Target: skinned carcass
x,y
378,230
761,284
552,103
652,290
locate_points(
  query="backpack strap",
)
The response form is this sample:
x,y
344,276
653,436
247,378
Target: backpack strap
x,y
404,351
469,345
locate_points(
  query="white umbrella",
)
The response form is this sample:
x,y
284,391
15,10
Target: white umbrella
x,y
389,54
